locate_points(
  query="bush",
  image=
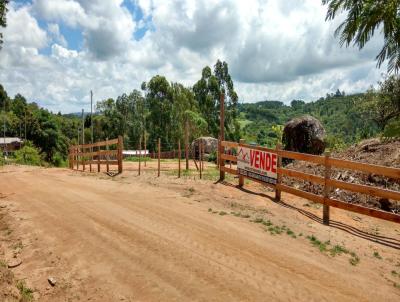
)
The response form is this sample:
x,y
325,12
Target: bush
x,y
58,160
335,143
2,161
28,155
392,129
212,157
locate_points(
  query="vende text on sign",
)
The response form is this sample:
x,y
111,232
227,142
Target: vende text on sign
x,y
257,164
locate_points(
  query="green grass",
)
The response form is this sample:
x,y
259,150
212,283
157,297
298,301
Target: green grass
x,y
322,246
26,292
136,159
243,123
333,251
338,250
377,256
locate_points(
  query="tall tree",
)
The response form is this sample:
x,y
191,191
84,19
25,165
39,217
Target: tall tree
x,y
3,20
207,92
364,17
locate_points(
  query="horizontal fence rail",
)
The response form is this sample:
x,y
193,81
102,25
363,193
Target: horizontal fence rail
x,y
93,154
226,154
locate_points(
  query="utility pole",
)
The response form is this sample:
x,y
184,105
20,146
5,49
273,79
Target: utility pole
x,y
83,128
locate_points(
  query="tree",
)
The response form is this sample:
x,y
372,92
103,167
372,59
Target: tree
x,y
383,105
207,93
364,17
3,20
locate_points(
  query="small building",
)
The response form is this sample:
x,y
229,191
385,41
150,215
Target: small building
x,y
10,144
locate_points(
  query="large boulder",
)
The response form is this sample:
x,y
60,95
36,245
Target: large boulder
x,y
304,134
210,145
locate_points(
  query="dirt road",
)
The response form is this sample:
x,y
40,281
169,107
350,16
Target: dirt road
x,y
147,239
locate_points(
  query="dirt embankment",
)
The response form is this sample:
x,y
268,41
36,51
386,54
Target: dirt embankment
x,y
372,151
132,238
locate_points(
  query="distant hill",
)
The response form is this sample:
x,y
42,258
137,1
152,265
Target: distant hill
x,y
339,114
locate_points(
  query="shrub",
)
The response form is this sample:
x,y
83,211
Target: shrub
x,y
212,157
58,160
392,129
28,155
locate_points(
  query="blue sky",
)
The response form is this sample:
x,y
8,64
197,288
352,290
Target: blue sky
x,y
56,51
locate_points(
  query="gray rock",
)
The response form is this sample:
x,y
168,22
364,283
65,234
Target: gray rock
x,y
304,134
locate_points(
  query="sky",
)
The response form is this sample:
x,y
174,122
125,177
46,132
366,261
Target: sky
x,y
56,51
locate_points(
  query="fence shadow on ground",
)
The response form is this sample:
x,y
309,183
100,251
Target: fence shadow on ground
x,y
383,240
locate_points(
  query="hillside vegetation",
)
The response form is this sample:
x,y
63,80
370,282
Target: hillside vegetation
x,y
162,109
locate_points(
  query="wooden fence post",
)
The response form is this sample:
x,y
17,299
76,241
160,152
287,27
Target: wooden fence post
x,y
120,147
327,189
279,175
241,178
218,148
107,157
222,134
83,159
145,150
203,147
159,154
140,152
77,157
98,159
91,158
179,159
200,158
187,144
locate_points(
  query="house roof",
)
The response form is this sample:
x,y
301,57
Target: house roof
x,y
10,140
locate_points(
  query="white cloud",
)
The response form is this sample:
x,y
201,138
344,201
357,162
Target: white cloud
x,y
54,30
275,49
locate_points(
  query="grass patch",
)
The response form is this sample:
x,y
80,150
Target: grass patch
x,y
377,256
338,250
322,246
136,159
26,292
3,264
222,213
354,260
333,251
209,209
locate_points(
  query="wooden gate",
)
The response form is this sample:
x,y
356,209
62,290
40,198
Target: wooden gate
x,y
92,155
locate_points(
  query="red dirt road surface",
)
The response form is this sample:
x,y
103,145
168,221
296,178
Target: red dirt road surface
x,y
145,238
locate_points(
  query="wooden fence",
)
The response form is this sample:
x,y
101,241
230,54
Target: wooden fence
x,y
92,155
327,182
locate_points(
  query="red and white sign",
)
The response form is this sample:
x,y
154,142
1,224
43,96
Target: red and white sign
x,y
257,164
